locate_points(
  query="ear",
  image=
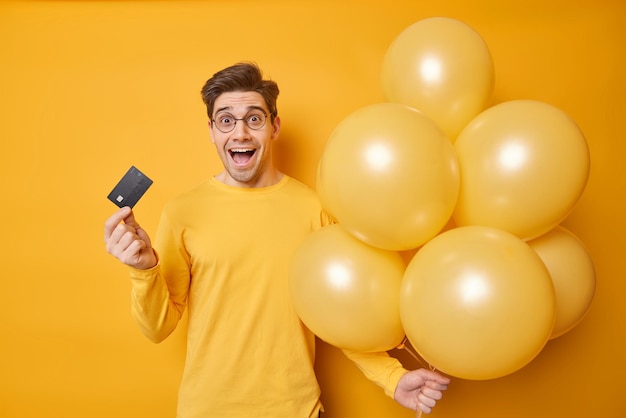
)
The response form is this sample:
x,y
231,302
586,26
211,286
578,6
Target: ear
x,y
276,127
211,131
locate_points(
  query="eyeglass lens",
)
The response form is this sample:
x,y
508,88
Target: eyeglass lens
x,y
226,122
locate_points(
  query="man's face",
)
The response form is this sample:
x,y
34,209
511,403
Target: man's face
x,y
246,153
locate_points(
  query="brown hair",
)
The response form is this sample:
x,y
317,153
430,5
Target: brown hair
x,y
244,76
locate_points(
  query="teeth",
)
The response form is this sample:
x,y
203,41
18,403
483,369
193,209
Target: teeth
x,y
242,150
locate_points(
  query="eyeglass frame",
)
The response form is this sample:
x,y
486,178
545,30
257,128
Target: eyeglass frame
x,y
265,115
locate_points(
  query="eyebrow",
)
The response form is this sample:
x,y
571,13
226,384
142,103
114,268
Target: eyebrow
x,y
248,109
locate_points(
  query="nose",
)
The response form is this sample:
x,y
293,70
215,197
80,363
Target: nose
x,y
241,130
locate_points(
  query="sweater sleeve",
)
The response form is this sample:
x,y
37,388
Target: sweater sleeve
x,y
159,295
380,368
151,306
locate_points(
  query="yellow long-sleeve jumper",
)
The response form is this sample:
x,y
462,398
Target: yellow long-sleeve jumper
x,y
224,255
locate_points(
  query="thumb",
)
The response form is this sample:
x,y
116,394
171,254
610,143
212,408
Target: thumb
x,y
130,219
433,376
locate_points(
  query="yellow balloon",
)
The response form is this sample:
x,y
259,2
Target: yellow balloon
x,y
524,165
442,67
346,291
573,275
477,303
389,176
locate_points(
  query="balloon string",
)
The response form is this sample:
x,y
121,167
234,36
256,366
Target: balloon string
x,y
404,346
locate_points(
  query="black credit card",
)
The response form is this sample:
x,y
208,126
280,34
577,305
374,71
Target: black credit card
x,y
130,188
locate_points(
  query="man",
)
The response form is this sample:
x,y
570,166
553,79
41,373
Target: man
x,y
223,251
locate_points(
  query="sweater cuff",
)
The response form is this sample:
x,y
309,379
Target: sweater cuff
x,y
382,369
394,378
145,274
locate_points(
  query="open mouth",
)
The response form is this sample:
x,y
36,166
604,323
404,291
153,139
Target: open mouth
x,y
241,156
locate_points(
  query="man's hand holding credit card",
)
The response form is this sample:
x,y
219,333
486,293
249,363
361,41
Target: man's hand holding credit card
x,y
123,236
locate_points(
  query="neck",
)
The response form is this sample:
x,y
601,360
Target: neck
x,y
266,179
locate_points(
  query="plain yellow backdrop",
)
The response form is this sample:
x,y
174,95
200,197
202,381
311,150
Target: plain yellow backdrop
x,y
89,88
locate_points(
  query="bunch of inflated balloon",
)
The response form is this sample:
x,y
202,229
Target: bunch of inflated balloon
x,y
479,191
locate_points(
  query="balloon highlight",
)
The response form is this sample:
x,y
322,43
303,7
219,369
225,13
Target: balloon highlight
x,y
346,291
524,165
477,303
389,176
441,67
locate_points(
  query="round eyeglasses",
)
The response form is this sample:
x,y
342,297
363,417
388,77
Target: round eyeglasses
x,y
255,120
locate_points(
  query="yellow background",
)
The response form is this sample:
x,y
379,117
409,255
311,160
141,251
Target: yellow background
x,y
89,88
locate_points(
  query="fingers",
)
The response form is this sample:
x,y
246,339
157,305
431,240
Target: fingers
x,y
421,389
431,384
431,391
433,394
427,399
111,223
126,241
